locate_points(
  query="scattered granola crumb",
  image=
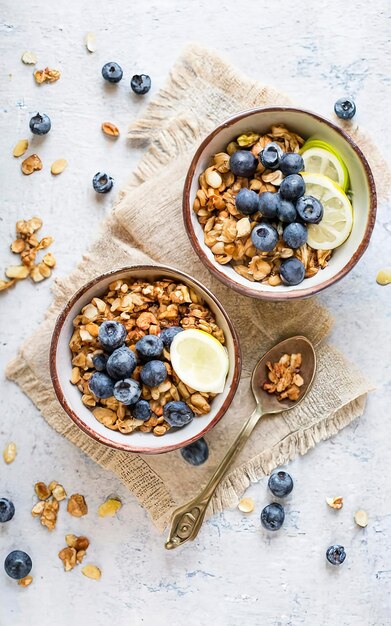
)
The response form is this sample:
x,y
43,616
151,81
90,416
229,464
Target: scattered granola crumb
x,y
31,164
20,147
110,129
335,503
46,76
384,276
26,581
109,507
284,377
361,518
29,58
77,505
91,571
68,557
9,453
246,505
49,514
74,552
42,491
58,492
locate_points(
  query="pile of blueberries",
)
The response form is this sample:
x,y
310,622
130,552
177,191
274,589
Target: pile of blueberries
x,y
17,564
288,209
272,516
117,363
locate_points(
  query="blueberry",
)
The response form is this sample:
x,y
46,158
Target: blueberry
x,y
127,391
336,554
112,72
196,453
40,124
150,347
7,510
271,156
153,373
99,361
309,209
345,108
291,163
101,385
272,516
18,564
168,334
264,237
295,235
140,84
102,183
286,211
243,163
121,363
292,187
268,203
247,201
292,271
141,410
280,484
111,335
177,413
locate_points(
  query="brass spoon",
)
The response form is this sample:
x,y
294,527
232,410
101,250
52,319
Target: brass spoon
x,y
187,520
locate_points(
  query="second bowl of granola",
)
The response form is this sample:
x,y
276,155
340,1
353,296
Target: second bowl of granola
x,y
126,394
274,225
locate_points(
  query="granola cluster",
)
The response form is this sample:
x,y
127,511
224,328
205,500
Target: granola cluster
x,y
227,232
144,308
284,377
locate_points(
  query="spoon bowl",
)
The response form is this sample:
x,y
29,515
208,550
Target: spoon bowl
x,y
269,402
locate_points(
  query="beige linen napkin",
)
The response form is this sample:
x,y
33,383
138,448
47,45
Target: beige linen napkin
x,y
146,225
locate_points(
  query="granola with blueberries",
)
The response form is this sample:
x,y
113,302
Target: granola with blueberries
x,y
274,206
121,355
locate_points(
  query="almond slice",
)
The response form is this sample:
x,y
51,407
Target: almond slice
x,y
246,505
91,571
5,284
91,42
58,166
361,518
20,147
17,271
29,58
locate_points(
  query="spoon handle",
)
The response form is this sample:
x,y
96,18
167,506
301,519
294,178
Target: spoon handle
x,y
187,520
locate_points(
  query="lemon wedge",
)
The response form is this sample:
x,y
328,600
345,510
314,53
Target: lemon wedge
x,y
334,167
337,220
200,360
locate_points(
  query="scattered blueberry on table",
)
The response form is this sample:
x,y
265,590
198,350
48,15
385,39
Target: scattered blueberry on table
x,y
121,363
102,183
345,108
18,564
177,413
271,156
295,235
112,72
272,516
153,373
40,124
264,236
292,271
127,391
336,554
7,510
111,335
280,484
140,84
196,453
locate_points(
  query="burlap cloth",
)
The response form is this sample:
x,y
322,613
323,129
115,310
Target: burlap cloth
x,y
146,225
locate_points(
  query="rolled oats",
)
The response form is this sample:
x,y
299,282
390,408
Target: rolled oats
x,y
110,129
29,58
361,518
91,42
58,166
91,571
246,505
9,453
20,147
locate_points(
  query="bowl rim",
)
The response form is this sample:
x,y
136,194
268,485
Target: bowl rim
x,y
62,317
295,293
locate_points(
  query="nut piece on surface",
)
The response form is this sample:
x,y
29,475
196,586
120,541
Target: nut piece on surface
x,y
68,557
77,505
17,271
46,76
18,246
5,284
361,518
109,507
31,164
20,147
26,581
42,491
58,492
110,129
29,58
384,276
91,571
49,514
246,505
38,508
9,453
58,166
335,503
90,42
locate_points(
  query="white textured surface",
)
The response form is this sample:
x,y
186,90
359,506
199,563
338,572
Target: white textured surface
x,y
235,573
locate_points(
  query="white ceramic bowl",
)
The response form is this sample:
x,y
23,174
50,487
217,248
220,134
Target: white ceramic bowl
x,y
69,395
307,125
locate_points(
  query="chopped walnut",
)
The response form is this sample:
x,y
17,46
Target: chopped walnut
x,y
77,505
46,75
74,552
284,377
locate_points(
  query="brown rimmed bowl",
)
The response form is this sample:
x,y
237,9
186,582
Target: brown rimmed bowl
x,y
307,125
70,397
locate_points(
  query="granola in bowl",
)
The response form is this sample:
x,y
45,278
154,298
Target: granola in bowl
x,y
121,355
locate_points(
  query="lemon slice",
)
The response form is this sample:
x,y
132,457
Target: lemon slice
x,y
337,219
342,178
321,161
200,360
